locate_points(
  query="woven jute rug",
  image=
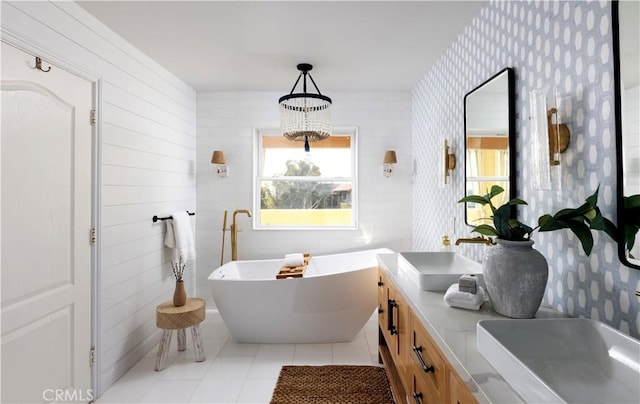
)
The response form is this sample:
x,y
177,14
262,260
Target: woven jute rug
x,y
333,384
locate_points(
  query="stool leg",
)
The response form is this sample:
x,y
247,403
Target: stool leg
x,y
182,339
198,346
163,350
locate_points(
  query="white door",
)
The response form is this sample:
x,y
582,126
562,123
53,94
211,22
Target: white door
x,y
46,220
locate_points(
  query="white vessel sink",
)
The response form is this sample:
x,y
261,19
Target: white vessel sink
x,y
437,270
567,360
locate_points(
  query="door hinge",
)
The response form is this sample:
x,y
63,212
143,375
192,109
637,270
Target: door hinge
x,y
92,356
94,117
92,236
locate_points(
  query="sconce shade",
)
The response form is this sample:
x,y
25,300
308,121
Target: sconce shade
x,y
218,157
390,157
305,116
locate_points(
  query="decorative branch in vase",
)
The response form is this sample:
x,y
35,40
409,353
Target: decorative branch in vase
x,y
180,294
516,274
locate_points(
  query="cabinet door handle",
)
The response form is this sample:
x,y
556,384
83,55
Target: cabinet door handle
x,y
417,350
380,283
390,326
417,397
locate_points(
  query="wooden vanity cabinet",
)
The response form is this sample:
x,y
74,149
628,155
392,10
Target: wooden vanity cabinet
x,y
458,391
428,367
393,320
382,300
418,372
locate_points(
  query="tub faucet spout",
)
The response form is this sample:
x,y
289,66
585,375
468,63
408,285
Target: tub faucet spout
x,y
234,233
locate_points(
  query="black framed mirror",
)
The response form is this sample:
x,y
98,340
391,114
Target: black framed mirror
x,y
626,45
489,152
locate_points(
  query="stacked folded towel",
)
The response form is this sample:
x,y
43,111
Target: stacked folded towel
x,y
293,260
464,300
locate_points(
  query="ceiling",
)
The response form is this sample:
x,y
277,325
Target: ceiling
x,y
256,45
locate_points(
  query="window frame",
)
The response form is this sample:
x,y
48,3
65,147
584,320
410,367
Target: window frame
x,y
352,132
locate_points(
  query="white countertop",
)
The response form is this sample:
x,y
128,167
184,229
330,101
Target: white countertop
x,y
454,331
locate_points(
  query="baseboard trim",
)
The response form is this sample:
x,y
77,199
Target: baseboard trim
x,y
122,366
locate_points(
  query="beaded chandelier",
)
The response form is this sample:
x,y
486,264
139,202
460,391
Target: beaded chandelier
x,y
305,116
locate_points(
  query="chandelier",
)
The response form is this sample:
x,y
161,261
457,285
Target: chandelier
x,y
305,116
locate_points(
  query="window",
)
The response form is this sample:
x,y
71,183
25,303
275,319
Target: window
x,y
299,190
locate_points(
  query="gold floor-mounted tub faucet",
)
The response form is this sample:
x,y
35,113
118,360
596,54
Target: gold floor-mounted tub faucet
x,y
234,233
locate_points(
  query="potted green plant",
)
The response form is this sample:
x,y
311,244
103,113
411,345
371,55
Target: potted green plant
x,y
516,274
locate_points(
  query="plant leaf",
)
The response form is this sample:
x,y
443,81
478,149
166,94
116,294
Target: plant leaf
x,y
501,219
519,231
543,219
485,229
600,222
550,223
583,233
631,202
475,199
495,190
571,213
593,198
516,201
630,235
527,229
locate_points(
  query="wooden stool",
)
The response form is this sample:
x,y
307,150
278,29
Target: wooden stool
x,y
169,318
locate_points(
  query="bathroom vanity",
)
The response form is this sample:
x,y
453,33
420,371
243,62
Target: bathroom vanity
x,y
429,349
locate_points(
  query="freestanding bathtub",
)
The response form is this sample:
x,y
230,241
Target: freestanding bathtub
x,y
331,303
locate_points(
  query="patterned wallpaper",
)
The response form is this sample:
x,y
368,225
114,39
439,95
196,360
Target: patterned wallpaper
x,y
564,45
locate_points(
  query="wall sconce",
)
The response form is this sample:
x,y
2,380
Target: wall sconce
x,y
550,138
389,160
449,161
218,158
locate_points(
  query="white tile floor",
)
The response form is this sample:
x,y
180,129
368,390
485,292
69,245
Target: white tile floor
x,y
232,372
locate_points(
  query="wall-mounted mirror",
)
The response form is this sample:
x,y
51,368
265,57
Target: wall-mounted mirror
x,y
489,125
626,43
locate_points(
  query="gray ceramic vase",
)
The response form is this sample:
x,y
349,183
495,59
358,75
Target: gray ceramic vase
x,y
516,278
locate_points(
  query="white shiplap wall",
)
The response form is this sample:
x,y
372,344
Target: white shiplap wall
x,y
147,141
226,121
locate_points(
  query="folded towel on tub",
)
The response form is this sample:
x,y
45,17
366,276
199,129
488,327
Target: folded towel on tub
x,y
293,260
180,237
464,300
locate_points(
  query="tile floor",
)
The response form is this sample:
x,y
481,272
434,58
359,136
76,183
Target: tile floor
x,y
232,372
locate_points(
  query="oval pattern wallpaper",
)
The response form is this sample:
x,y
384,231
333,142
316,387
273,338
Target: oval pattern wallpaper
x,y
563,46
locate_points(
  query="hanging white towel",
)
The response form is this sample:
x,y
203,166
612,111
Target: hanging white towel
x,y
464,300
180,237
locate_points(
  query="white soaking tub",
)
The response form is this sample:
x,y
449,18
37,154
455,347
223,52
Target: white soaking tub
x,y
330,303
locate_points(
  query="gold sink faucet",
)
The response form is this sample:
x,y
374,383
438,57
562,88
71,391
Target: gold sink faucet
x,y
234,233
476,240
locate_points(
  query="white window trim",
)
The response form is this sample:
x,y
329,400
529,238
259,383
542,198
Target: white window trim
x,y
257,147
